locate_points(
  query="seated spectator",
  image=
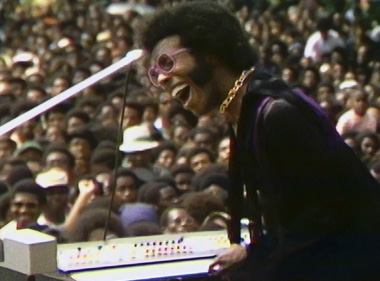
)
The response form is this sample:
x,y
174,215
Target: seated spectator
x,y
177,220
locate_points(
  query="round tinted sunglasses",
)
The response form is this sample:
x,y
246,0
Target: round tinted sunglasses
x,y
165,63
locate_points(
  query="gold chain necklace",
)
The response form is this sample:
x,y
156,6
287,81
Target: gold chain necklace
x,y
232,93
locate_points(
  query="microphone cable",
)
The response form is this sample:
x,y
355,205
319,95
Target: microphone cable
x,y
117,153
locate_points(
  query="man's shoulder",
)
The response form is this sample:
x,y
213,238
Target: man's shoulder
x,y
315,36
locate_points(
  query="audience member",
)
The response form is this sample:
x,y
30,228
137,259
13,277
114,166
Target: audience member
x,y
361,117
27,201
125,184
55,182
323,41
138,142
177,220
200,158
183,176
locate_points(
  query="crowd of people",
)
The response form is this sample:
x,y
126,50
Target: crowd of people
x,y
125,144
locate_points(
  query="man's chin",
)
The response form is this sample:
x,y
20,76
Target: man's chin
x,y
23,222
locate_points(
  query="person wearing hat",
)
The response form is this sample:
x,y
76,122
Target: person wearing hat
x,y
138,142
58,155
31,152
55,182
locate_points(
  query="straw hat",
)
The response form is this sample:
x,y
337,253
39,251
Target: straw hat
x,y
138,138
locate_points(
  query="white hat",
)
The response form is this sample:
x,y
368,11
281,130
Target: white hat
x,y
137,138
52,177
374,34
348,84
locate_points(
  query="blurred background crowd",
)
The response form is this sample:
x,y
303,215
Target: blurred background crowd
x,y
127,146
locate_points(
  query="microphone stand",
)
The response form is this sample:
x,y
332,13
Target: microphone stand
x,y
128,60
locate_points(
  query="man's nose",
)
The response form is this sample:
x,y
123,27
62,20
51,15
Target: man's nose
x,y
24,209
163,78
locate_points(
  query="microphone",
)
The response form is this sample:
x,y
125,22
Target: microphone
x,y
130,58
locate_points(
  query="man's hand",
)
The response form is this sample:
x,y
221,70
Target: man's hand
x,y
88,189
87,186
235,254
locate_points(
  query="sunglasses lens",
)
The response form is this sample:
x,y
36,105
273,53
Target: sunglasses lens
x,y
165,62
153,76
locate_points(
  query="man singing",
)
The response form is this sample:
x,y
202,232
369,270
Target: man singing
x,y
315,208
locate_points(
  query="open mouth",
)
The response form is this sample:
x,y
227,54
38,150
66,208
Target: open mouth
x,y
182,94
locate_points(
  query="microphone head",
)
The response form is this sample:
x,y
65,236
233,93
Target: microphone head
x,y
135,54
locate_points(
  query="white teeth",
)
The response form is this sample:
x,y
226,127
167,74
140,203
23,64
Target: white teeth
x,y
177,90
